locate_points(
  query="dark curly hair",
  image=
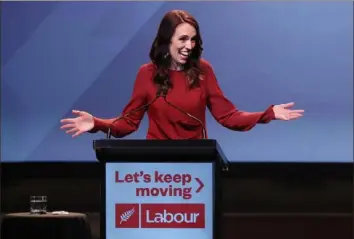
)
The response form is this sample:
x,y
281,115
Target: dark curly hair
x,y
160,48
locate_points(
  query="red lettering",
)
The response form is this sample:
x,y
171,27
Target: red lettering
x,y
168,178
158,177
177,178
185,193
117,178
186,178
147,178
136,177
128,178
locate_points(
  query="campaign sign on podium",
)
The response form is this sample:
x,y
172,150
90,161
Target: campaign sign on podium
x,y
159,200
160,188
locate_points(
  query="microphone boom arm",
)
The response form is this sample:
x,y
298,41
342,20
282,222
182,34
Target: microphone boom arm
x,y
189,115
143,107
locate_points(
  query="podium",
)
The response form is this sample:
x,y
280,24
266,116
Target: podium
x,y
160,189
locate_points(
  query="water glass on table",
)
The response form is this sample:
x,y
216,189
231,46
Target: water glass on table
x,y
38,204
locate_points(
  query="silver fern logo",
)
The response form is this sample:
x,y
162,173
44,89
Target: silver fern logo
x,y
126,215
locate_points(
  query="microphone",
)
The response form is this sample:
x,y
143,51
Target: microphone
x,y
164,91
143,107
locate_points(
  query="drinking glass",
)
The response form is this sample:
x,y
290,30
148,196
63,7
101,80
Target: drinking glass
x,y
38,204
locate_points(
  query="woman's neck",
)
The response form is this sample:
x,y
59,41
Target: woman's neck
x,y
176,66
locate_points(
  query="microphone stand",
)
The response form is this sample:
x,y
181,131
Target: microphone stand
x,y
162,92
186,113
143,107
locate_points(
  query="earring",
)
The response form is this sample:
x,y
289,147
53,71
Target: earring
x,y
166,55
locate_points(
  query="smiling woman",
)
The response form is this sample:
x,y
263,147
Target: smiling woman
x,y
188,85
177,46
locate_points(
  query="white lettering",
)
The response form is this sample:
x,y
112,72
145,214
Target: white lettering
x,y
167,217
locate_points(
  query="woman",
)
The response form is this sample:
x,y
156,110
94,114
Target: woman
x,y
187,81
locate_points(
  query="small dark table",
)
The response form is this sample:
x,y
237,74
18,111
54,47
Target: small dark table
x,y
45,226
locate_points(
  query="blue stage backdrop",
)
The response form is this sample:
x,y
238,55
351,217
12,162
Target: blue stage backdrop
x,y
59,56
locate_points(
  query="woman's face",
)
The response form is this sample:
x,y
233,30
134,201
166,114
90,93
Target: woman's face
x,y
182,43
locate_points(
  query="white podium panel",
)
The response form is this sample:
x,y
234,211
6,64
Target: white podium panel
x,y
159,200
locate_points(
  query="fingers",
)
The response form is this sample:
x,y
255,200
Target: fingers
x,y
297,111
78,112
68,120
72,120
287,105
65,126
69,123
77,133
283,117
290,116
73,130
295,116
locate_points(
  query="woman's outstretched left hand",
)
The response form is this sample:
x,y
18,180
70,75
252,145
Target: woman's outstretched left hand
x,y
282,112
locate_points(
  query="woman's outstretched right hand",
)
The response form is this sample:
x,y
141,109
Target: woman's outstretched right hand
x,y
76,126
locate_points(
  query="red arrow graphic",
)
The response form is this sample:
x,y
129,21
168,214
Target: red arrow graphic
x,y
201,185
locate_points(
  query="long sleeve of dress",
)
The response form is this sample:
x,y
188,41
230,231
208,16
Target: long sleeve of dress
x,y
226,113
130,123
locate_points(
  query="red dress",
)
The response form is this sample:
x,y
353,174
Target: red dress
x,y
166,122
